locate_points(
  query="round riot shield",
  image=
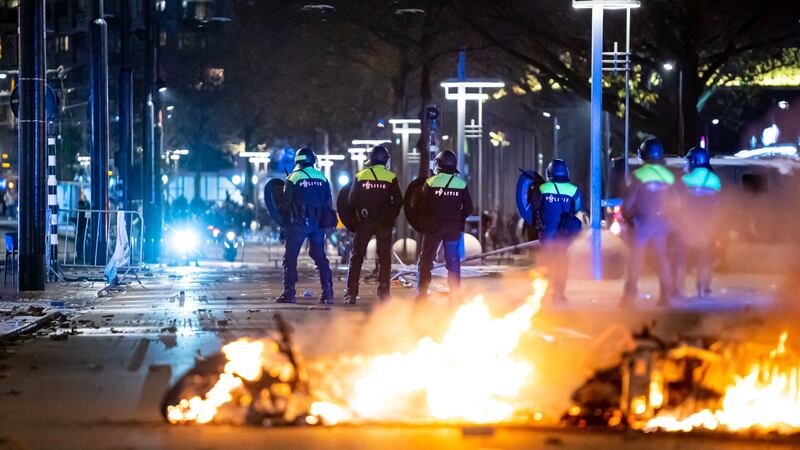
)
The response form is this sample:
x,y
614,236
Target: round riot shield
x,y
411,205
527,179
273,194
346,215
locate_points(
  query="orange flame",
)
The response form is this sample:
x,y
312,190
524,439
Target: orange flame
x,y
766,398
470,375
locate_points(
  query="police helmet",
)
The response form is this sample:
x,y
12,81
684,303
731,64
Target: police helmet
x,y
698,157
378,156
305,157
447,162
651,150
557,171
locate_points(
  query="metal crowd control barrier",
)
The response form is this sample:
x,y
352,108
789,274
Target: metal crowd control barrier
x,y
77,248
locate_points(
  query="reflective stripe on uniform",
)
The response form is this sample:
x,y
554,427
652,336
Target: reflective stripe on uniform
x,y
567,189
310,173
702,178
654,173
440,180
381,174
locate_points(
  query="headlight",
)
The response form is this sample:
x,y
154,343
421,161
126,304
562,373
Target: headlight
x,y
184,240
230,235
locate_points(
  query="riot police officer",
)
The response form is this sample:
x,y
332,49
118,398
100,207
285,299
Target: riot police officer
x,y
555,204
376,199
446,201
307,206
696,220
646,208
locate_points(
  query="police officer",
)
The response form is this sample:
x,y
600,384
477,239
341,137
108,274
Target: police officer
x,y
446,202
555,204
646,209
697,219
376,199
307,206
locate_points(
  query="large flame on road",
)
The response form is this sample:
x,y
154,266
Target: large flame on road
x,y
246,361
470,375
766,398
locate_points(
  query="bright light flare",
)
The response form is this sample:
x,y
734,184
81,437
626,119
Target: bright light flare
x,y
184,240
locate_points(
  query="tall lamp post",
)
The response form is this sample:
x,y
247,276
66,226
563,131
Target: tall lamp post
x,y
596,165
406,128
461,90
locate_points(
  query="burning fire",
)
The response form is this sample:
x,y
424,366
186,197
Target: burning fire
x,y
471,375
246,360
767,398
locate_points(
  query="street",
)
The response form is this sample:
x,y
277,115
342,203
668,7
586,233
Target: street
x,y
101,386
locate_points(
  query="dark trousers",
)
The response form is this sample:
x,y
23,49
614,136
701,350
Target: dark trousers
x,y
554,259
295,236
383,239
452,260
703,254
643,238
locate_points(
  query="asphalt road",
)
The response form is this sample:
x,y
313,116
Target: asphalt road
x,y
102,387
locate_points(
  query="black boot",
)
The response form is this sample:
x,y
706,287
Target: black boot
x,y
326,298
286,297
383,292
349,299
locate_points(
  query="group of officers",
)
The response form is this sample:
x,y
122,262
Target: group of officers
x,y
672,216
375,199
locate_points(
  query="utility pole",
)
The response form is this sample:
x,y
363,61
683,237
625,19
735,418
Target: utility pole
x,y
124,157
151,191
98,46
32,227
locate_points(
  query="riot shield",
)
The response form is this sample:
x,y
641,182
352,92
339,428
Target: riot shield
x,y
528,179
411,204
346,215
273,196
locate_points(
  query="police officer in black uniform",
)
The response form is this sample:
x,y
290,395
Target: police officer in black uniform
x,y
307,205
376,199
553,203
446,202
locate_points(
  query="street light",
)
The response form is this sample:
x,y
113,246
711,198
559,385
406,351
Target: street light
x,y
359,154
461,90
598,7
325,162
669,67
405,128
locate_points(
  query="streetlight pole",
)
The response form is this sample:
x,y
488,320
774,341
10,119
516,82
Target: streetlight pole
x,y
596,148
124,159
461,90
32,226
98,37
151,182
405,128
